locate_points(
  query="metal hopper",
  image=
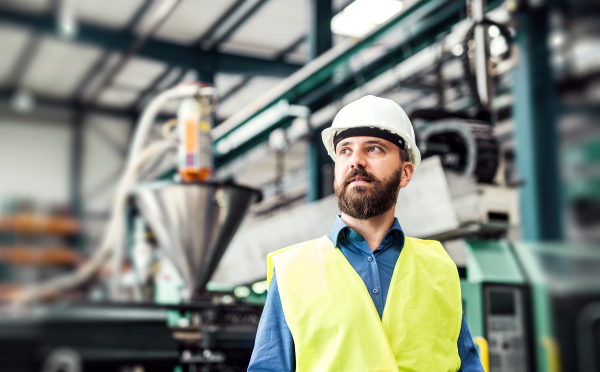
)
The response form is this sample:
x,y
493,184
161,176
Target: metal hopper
x,y
194,223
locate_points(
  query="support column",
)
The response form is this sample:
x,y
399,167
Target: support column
x,y
76,160
76,169
319,29
536,130
206,75
320,169
319,41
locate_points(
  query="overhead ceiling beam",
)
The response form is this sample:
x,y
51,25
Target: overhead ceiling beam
x,y
47,102
160,16
154,85
98,66
219,22
102,62
236,88
187,57
290,48
331,76
23,62
138,15
44,103
239,23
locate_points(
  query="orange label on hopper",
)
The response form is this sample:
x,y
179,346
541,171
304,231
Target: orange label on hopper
x,y
191,136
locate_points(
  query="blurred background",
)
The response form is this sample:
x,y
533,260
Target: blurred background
x,y
153,152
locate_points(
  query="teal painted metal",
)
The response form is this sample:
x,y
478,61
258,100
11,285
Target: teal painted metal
x,y
319,41
492,261
472,297
314,171
320,185
535,117
548,274
540,297
412,30
76,172
320,38
581,159
487,262
62,104
184,56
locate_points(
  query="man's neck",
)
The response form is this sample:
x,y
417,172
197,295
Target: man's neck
x,y
373,229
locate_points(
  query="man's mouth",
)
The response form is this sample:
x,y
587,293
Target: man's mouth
x,y
359,180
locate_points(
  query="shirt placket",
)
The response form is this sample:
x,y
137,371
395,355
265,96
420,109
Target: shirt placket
x,y
375,283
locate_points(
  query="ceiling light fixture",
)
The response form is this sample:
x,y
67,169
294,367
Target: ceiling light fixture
x,y
362,16
23,101
67,19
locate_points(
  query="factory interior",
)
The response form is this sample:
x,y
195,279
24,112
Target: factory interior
x,y
153,152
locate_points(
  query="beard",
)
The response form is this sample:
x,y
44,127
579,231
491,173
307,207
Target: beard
x,y
364,202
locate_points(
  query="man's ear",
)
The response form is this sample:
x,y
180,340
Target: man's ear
x,y
407,172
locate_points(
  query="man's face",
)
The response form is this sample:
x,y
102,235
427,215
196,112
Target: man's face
x,y
368,176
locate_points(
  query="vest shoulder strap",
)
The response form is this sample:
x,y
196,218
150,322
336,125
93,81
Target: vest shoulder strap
x,y
292,249
430,248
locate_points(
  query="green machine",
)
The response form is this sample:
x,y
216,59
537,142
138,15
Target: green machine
x,y
533,306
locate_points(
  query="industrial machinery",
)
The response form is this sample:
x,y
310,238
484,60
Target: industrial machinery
x,y
170,226
533,307
465,146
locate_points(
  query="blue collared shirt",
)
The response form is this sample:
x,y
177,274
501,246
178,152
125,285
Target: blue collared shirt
x,y
274,345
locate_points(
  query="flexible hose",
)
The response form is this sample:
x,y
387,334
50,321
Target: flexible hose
x,y
138,156
115,226
153,109
470,77
145,123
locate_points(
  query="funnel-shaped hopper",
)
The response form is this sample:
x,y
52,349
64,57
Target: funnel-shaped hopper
x,y
194,223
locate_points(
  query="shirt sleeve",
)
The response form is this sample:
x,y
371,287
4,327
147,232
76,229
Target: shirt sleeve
x,y
274,345
469,358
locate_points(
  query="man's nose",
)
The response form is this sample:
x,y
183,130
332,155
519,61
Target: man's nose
x,y
358,159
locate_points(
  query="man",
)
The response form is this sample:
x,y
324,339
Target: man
x,y
365,297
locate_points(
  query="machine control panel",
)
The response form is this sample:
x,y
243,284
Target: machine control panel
x,y
505,325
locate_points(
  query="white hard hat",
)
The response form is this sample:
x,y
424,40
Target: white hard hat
x,y
375,117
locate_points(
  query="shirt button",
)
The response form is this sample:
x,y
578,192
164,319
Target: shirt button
x,y
375,291
370,258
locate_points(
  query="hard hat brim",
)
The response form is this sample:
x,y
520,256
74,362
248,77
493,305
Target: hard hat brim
x,y
413,151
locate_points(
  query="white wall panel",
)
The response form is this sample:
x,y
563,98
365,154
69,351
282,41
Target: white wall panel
x,y
34,161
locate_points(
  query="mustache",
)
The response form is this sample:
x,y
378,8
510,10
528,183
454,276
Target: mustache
x,y
359,172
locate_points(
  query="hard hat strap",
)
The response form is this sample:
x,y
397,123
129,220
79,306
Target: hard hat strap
x,y
369,132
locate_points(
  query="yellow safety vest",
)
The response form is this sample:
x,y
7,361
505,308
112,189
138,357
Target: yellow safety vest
x,y
336,327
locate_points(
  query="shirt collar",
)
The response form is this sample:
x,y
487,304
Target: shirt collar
x,y
340,231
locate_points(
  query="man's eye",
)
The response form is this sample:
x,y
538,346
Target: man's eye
x,y
343,151
374,149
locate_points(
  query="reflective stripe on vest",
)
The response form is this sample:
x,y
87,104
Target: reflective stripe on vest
x,y
336,327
